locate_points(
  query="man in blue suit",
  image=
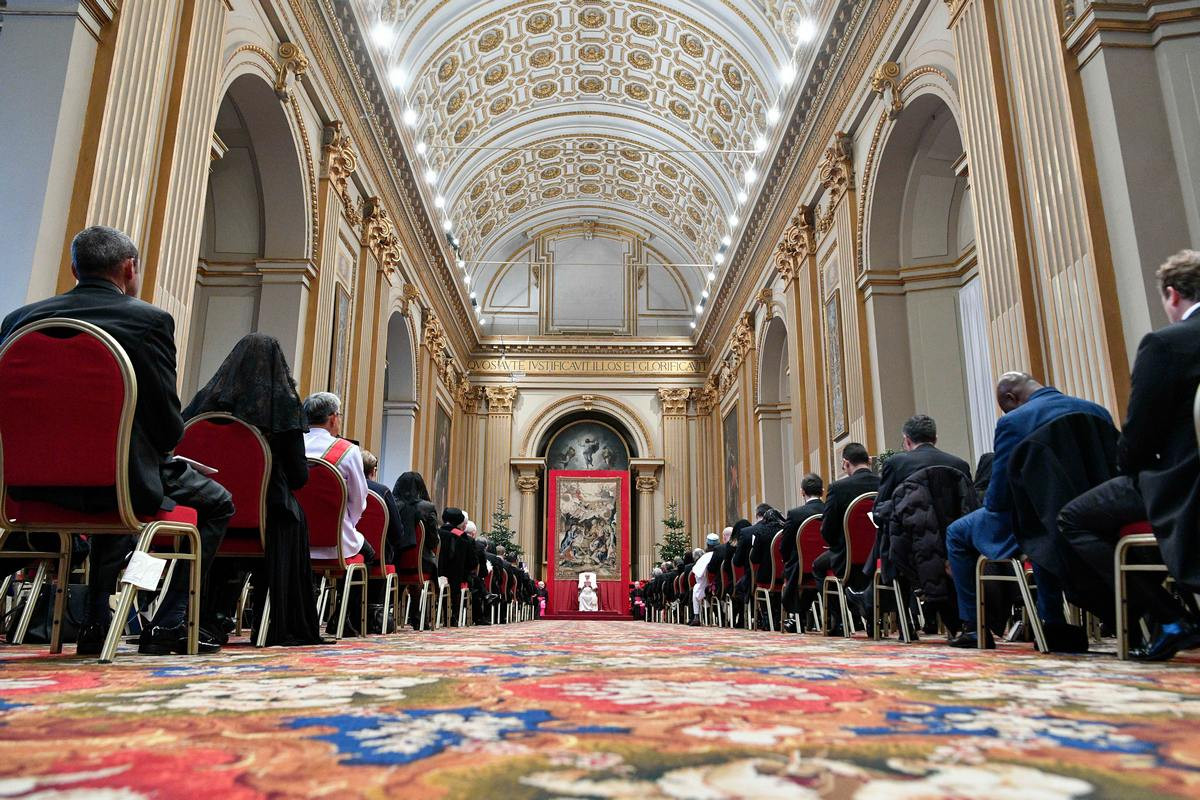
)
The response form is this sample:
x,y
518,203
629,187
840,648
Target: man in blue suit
x,y
1027,406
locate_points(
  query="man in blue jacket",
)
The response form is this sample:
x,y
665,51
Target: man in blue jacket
x,y
1027,406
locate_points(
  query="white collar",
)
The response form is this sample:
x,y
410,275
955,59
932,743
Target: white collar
x,y
1190,311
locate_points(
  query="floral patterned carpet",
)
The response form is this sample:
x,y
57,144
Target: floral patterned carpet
x,y
599,709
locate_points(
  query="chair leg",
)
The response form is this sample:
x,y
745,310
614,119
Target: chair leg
x,y
264,624
39,578
424,605
387,602
847,620
194,594
241,605
364,581
901,612
877,614
1122,605
980,625
396,605
4,586
1035,621
322,598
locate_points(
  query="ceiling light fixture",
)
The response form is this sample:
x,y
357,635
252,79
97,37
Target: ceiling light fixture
x,y
431,176
719,259
382,34
462,264
693,324
699,309
422,148
712,276
787,74
751,176
410,117
727,241
806,31
760,144
742,196
733,220
772,115
447,225
467,280
704,294
439,202
397,76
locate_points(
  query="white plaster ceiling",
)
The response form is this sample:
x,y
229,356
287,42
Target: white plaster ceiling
x,y
645,115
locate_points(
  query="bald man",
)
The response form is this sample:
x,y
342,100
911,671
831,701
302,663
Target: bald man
x,y
1027,406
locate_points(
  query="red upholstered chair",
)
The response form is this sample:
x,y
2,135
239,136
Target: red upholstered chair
x,y
242,459
1141,536
323,499
67,397
860,539
373,525
810,545
766,591
500,610
411,576
712,599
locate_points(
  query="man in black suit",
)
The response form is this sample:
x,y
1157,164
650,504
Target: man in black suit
x,y
104,261
811,487
856,466
920,452
391,539
1160,477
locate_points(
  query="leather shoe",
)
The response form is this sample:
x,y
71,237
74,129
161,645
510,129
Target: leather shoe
x,y
695,623
971,640
158,641
91,640
1166,645
1063,638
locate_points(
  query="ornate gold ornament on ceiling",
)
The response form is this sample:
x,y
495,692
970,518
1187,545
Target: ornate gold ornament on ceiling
x,y
885,83
593,18
645,25
290,60
447,69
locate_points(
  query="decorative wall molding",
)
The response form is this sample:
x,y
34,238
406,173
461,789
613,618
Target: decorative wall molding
x,y
291,60
885,83
380,235
674,401
500,399
340,163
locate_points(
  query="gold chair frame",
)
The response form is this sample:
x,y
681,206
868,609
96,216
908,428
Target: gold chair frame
x,y
329,580
839,583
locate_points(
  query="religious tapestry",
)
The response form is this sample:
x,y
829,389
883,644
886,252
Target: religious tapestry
x,y
339,360
587,532
587,445
441,458
733,486
837,386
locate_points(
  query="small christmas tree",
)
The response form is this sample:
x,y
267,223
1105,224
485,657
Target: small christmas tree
x,y
501,534
675,543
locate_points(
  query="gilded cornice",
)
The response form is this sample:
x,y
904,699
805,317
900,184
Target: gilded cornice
x,y
708,396
340,163
380,234
795,246
837,167
857,30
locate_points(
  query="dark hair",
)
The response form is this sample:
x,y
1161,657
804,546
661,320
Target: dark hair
x,y
1181,272
453,516
409,488
98,251
763,509
811,485
856,454
921,429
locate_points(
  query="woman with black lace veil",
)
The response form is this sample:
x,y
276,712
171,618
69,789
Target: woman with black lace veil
x,y
412,498
255,385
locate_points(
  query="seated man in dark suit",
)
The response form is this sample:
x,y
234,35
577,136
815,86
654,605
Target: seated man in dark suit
x,y
859,480
743,554
811,487
920,452
1160,475
1027,406
392,536
105,263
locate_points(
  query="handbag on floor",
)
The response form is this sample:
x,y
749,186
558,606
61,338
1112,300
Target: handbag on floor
x,y
42,621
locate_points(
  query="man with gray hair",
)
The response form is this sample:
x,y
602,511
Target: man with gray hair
x,y
104,261
323,441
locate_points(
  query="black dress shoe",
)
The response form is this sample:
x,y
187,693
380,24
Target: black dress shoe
x,y
695,623
971,640
91,640
1064,638
1166,645
158,641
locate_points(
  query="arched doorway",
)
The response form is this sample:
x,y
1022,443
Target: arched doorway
x,y
926,322
774,414
399,400
589,522
254,236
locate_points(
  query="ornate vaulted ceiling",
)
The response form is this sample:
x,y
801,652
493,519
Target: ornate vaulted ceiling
x,y
651,117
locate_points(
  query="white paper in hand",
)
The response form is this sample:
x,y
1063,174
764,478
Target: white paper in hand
x,y
144,570
443,582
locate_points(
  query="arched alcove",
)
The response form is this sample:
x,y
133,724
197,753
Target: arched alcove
x,y
255,231
923,329
774,413
399,399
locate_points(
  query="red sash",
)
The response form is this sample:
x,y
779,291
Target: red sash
x,y
337,451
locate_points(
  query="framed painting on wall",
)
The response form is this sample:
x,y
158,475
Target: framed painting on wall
x,y
441,457
733,486
836,371
339,357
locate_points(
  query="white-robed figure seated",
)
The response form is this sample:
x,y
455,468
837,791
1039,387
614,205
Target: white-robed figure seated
x,y
588,599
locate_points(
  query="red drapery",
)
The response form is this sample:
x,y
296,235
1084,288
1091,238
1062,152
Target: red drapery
x,y
563,594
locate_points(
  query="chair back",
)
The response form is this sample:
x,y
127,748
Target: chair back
x,y
373,524
323,499
67,397
809,545
503,583
860,531
242,459
777,562
411,569
691,581
727,577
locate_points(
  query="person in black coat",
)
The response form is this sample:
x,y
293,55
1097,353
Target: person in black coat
x,y
811,487
859,480
104,261
412,501
1160,474
920,451
394,534
255,385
